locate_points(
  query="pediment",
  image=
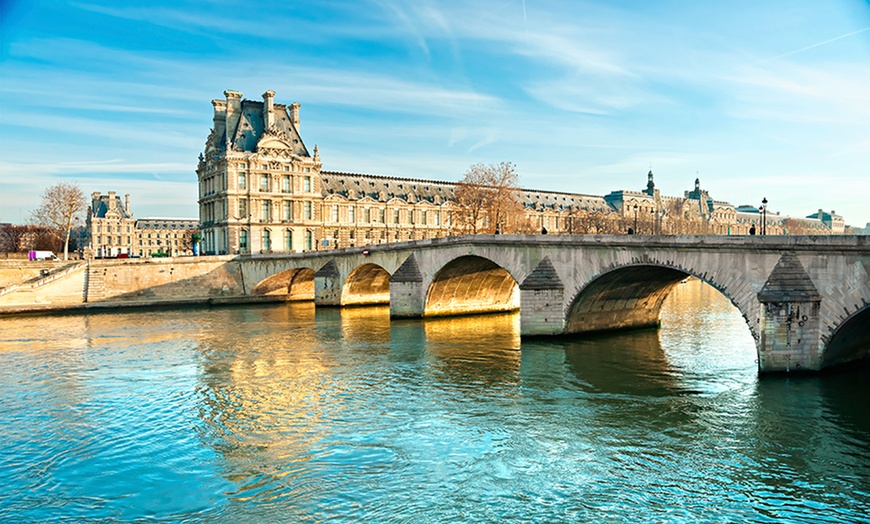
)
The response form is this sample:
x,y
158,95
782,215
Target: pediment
x,y
336,197
274,142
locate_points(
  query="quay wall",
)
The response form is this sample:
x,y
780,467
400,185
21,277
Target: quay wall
x,y
111,283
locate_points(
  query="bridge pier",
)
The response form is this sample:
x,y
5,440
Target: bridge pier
x,y
789,330
327,285
541,297
407,292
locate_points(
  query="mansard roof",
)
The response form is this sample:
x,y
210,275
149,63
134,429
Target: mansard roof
x,y
101,205
355,186
240,125
250,128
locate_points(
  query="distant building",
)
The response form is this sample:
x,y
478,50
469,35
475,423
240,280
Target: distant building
x,y
113,231
832,220
262,190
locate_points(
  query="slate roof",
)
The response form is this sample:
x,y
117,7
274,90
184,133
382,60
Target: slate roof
x,y
355,186
100,206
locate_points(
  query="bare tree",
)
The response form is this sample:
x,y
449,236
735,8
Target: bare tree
x,y
61,205
487,200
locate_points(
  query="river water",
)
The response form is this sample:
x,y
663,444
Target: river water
x,y
284,413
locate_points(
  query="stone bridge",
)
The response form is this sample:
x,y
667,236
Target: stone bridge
x,y
804,298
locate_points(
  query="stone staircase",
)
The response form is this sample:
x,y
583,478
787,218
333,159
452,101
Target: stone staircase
x,y
95,284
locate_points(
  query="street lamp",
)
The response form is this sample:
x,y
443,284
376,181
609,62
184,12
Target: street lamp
x,y
635,219
764,216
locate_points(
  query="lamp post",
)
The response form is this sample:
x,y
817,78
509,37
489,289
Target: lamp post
x,y
764,216
635,219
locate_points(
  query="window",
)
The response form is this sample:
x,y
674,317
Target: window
x,y
285,184
267,240
243,208
436,216
334,214
424,219
288,210
411,216
306,210
243,183
288,240
264,182
383,216
309,240
240,166
243,240
351,214
266,210
396,216
368,216
306,184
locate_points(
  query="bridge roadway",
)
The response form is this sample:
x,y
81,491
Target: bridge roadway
x,y
804,298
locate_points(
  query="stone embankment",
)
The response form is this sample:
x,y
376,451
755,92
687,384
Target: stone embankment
x,y
36,287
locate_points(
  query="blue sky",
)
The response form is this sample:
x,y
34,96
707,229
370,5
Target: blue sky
x,y
758,99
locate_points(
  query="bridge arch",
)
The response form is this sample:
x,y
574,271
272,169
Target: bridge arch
x,y
296,284
367,284
850,341
630,296
470,285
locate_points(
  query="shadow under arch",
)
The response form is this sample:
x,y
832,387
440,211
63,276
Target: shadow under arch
x,y
850,342
367,285
628,297
296,284
471,285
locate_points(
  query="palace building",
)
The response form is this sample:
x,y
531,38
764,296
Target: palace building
x,y
113,231
262,190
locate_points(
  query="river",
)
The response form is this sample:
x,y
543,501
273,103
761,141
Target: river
x,y
284,413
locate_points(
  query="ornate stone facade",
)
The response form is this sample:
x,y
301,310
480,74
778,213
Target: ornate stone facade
x,y
262,190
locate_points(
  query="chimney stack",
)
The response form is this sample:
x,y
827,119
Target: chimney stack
x,y
127,204
234,105
269,109
294,114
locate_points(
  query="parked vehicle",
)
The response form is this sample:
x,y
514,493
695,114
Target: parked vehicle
x,y
41,255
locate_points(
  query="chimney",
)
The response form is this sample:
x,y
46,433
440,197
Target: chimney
x,y
95,196
269,109
111,200
127,204
220,113
234,104
294,114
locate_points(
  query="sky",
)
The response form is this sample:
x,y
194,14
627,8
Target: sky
x,y
757,99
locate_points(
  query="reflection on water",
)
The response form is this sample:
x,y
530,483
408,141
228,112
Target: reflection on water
x,y
287,413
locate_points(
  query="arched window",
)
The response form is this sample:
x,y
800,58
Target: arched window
x,y
288,240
